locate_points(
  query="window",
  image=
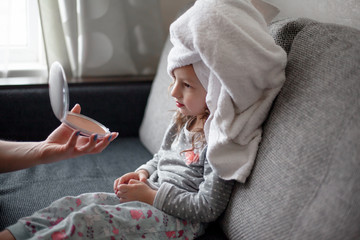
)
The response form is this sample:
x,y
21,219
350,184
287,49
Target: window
x,y
21,47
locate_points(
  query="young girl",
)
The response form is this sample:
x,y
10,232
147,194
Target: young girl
x,y
226,70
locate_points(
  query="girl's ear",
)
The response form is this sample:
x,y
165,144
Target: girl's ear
x,y
268,11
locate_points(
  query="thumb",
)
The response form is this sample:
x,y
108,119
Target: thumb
x,y
142,177
76,109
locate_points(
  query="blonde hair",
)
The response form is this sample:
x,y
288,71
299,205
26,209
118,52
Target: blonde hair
x,y
181,120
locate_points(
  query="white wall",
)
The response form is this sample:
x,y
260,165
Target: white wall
x,y
169,9
346,12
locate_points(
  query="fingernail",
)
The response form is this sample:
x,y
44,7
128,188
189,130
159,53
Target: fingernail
x,y
77,133
109,138
95,137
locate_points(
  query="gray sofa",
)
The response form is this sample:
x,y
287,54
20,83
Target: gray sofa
x,y
305,183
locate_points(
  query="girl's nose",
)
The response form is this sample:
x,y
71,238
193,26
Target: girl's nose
x,y
175,91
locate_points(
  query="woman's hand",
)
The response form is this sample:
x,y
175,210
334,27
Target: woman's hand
x,y
64,142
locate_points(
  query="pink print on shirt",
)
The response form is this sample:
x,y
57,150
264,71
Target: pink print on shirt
x,y
191,157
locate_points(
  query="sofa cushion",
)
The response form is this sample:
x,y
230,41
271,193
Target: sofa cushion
x,y
305,183
284,31
160,106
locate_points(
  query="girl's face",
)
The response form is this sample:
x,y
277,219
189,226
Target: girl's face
x,y
188,92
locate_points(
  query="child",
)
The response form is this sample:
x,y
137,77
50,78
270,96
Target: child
x,y
227,70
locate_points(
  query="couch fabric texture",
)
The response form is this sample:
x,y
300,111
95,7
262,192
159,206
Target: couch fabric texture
x,y
307,161
304,184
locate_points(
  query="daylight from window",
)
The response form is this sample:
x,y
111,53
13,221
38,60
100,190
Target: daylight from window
x,y
13,22
21,50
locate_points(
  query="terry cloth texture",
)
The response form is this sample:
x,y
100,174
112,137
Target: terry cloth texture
x,y
242,70
305,183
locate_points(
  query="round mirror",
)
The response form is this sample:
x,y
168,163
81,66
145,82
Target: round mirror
x,y
59,98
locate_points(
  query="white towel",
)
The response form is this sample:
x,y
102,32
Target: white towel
x,y
242,69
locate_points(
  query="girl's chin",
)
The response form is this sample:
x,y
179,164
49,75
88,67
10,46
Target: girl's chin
x,y
184,112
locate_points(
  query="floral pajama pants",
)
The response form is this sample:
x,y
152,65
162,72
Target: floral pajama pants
x,y
101,216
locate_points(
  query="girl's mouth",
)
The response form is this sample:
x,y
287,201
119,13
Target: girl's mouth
x,y
179,105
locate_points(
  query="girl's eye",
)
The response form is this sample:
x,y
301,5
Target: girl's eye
x,y
187,85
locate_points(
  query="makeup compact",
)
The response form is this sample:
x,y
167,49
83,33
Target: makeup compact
x,y
59,98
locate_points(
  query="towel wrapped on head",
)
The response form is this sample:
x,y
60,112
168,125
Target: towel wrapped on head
x,y
242,70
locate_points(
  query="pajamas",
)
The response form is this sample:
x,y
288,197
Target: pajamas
x,y
101,216
187,187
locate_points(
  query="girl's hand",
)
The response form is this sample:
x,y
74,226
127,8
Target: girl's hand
x,y
136,191
65,142
140,175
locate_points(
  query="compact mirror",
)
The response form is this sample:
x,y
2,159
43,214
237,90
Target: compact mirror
x,y
59,98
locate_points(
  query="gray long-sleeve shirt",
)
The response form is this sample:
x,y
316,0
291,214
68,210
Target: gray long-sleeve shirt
x,y
187,186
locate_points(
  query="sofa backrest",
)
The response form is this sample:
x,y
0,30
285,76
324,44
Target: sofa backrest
x,y
305,182
159,108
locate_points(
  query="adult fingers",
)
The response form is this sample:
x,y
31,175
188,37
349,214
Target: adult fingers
x,y
103,143
76,109
90,145
72,140
113,136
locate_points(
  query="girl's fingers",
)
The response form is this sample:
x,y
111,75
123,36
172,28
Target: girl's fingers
x,y
142,177
133,181
123,188
116,184
127,177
